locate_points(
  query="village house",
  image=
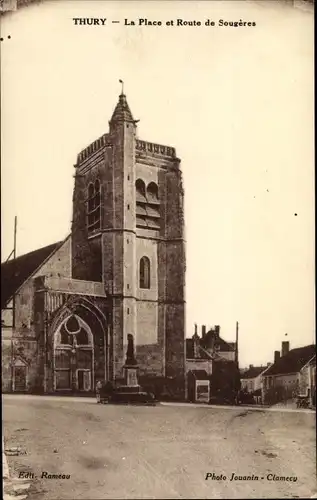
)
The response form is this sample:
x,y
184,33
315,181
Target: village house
x,y
252,378
210,355
281,381
202,351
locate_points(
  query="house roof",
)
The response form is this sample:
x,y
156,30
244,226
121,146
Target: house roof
x,y
311,362
253,372
221,345
16,271
190,353
293,361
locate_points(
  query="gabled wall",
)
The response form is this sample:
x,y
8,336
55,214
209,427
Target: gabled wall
x,y
59,264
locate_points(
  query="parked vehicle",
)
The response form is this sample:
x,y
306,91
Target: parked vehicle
x,y
124,395
302,402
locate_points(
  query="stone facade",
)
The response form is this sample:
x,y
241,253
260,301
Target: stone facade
x,y
252,378
121,272
307,381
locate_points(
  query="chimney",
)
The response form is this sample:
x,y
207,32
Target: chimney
x,y
203,331
251,366
217,330
195,329
276,356
285,348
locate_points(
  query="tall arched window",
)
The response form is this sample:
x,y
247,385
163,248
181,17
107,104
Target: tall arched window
x,y
145,273
93,206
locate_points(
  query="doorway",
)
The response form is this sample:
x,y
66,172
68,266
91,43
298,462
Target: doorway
x,y
84,380
19,377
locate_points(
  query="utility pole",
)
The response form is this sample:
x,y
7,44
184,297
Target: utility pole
x,y
238,385
14,252
14,269
237,344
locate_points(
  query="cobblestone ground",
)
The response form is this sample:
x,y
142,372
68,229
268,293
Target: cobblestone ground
x,y
155,452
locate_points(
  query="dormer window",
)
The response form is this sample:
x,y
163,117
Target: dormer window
x,y
93,207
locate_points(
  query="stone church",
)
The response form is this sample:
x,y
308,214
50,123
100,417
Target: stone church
x,y
68,308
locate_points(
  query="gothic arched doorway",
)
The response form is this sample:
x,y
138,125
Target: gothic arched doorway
x,y
73,355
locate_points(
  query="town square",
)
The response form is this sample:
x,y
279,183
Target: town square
x,y
162,451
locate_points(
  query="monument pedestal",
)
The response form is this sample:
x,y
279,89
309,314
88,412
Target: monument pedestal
x,y
131,375
131,391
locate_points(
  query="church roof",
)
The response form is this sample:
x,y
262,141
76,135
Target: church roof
x,y
16,271
122,111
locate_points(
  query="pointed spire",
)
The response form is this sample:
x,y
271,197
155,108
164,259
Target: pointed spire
x,y
122,112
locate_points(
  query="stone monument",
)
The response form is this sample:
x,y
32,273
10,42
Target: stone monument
x,y
131,391
131,366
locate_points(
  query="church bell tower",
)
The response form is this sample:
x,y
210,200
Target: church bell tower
x,y
128,232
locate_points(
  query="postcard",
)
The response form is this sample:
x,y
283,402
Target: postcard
x,y
157,275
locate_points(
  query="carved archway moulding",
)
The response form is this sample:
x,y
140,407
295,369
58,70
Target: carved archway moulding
x,y
71,307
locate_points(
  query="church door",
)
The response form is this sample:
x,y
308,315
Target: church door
x,y
73,356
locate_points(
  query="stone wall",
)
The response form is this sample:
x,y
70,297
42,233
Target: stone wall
x,y
304,379
147,248
147,322
287,380
59,264
6,359
175,345
25,341
86,248
149,358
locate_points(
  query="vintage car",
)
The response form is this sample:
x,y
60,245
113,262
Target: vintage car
x,y
125,395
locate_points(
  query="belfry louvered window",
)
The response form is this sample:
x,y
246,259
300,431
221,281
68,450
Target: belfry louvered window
x,y
93,206
147,205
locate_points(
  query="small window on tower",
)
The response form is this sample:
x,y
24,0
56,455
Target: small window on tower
x,y
145,270
93,207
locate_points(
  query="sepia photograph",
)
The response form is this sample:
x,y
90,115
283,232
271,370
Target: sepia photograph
x,y
157,257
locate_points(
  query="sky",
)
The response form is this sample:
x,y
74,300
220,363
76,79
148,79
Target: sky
x,y
235,102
